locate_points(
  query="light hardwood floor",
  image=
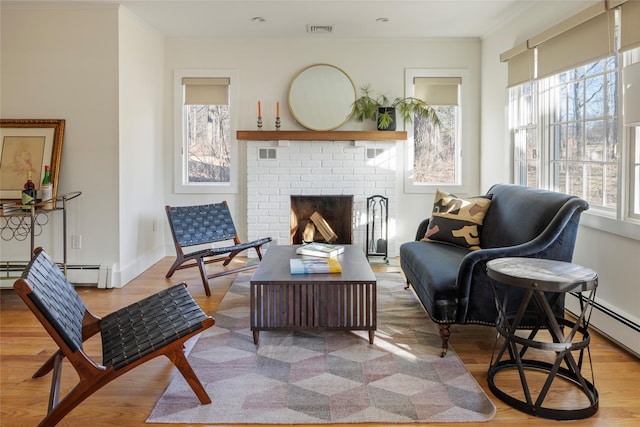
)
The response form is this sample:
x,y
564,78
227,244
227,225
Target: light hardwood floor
x,y
24,346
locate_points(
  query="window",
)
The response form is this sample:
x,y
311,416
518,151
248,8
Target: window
x,y
567,136
523,125
581,109
573,113
205,158
434,152
631,107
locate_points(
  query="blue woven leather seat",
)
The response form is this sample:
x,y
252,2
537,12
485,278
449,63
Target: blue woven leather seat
x,y
207,225
157,325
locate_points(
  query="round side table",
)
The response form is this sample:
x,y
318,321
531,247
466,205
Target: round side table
x,y
544,281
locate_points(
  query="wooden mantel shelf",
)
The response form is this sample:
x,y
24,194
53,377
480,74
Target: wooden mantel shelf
x,y
317,135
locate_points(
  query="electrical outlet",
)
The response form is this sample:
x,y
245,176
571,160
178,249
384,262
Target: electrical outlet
x,y
76,241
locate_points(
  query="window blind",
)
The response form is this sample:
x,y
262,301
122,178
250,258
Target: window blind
x,y
630,25
520,61
437,90
631,91
579,45
206,90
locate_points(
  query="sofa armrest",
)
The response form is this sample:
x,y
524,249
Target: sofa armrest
x,y
422,229
555,242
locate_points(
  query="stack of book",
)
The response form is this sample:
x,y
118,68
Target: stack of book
x,y
318,249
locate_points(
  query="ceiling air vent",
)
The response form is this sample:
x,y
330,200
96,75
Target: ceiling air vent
x,y
321,29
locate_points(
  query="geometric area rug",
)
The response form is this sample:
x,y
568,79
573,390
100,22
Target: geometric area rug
x,y
325,377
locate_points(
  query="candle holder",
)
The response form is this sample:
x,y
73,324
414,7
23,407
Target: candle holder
x,y
277,123
259,122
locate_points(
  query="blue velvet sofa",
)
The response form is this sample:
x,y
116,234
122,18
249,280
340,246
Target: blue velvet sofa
x,y
451,282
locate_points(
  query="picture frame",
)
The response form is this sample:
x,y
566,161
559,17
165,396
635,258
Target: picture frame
x,y
29,145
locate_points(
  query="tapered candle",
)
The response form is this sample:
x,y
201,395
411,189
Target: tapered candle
x,y
259,112
278,109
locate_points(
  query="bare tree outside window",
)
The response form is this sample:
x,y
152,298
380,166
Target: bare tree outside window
x,y
435,148
583,131
208,133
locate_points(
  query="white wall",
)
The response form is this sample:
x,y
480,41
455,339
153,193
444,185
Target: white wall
x,y
100,69
266,68
141,191
63,64
613,257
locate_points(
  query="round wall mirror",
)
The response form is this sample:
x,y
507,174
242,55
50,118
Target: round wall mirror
x,y
321,97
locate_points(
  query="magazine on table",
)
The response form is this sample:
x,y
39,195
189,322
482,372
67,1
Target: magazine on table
x,y
318,249
315,265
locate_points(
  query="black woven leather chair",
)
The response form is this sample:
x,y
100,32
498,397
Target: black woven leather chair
x,y
207,225
157,325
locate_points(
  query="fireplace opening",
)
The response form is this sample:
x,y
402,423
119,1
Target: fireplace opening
x,y
321,219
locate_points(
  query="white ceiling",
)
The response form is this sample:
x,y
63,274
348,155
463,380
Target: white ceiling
x,y
351,18
289,18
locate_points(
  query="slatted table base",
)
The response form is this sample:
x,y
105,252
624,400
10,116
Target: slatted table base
x,y
291,306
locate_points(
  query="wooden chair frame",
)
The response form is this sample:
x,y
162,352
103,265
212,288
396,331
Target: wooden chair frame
x,y
207,225
57,306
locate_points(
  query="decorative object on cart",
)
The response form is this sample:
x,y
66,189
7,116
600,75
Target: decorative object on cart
x,y
46,190
29,145
321,97
378,226
29,194
378,107
158,325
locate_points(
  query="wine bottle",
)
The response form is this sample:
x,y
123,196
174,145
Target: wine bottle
x,y
46,190
28,194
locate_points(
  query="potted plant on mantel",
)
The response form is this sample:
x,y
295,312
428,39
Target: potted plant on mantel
x,y
376,106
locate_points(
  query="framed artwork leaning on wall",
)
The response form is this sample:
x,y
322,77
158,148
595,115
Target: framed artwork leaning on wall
x,y
28,145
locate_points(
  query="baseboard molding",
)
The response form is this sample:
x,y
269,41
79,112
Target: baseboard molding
x,y
618,326
78,274
121,276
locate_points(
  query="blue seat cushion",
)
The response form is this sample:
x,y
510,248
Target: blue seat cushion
x,y
433,268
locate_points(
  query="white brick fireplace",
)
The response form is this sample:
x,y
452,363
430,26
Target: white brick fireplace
x,y
276,170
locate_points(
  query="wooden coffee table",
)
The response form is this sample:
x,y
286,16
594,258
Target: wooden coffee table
x,y
337,301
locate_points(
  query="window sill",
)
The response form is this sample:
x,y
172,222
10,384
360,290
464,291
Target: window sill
x,y
628,229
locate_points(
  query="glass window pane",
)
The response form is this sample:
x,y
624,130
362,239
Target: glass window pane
x,y
612,95
435,148
595,91
597,67
612,141
575,101
562,104
575,141
594,183
611,186
575,179
595,132
208,143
